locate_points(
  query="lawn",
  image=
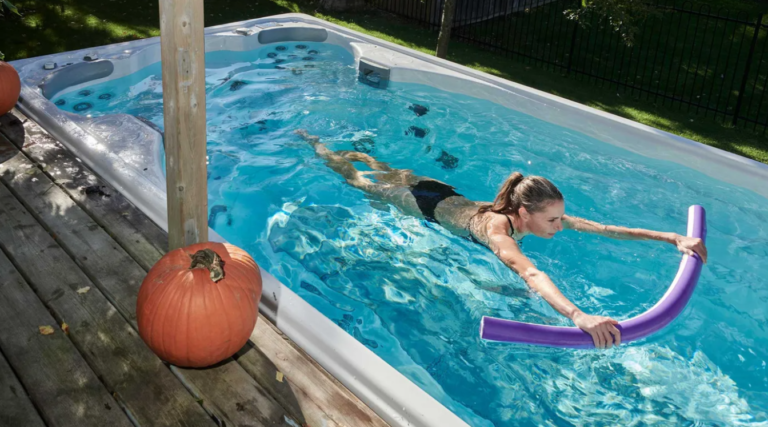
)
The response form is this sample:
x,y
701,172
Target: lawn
x,y
691,60
67,25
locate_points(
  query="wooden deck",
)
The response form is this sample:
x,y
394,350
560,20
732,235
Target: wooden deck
x,y
77,258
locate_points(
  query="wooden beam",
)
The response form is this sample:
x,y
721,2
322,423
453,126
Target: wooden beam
x,y
182,45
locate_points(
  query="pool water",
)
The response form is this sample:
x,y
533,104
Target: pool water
x,y
414,294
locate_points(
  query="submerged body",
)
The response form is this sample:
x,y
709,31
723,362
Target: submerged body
x,y
524,205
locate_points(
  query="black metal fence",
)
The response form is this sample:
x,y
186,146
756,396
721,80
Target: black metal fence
x,y
689,56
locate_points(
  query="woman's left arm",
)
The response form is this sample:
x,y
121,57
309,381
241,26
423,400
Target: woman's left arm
x,y
686,245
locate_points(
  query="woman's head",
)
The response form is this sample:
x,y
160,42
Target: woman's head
x,y
534,199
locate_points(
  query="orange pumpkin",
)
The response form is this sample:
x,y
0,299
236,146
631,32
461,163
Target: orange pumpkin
x,y
198,305
10,87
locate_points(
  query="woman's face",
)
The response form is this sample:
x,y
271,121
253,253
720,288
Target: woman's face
x,y
545,223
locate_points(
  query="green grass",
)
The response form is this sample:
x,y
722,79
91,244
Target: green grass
x,y
696,59
686,124
44,29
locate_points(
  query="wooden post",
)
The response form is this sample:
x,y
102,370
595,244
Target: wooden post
x,y
182,44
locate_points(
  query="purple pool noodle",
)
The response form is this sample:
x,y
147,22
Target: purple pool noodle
x,y
660,315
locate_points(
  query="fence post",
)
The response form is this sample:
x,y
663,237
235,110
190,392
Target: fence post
x,y
746,69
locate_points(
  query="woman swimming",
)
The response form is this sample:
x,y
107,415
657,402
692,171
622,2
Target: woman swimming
x,y
523,206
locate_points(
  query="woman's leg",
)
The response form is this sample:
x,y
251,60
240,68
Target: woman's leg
x,y
393,187
355,156
382,171
336,162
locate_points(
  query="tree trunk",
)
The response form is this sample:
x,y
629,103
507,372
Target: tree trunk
x,y
445,28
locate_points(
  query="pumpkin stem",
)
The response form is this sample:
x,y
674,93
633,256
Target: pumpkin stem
x,y
209,259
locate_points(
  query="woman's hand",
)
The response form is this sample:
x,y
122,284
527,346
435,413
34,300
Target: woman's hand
x,y
691,245
602,329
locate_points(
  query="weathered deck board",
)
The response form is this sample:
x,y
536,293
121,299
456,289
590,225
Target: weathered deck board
x,y
89,246
138,379
145,242
294,399
305,374
59,381
136,233
227,387
15,407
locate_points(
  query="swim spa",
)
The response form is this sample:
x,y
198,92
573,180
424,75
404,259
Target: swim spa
x,y
357,283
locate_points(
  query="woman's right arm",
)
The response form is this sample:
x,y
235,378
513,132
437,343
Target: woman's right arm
x,y
602,329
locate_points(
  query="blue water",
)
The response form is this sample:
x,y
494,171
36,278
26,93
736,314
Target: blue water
x,y
414,294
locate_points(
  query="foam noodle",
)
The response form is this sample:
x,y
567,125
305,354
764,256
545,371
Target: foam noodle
x,y
659,316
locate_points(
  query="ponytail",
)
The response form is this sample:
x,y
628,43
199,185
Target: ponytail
x,y
532,192
503,202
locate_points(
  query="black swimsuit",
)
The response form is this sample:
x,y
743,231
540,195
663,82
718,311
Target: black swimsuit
x,y
428,194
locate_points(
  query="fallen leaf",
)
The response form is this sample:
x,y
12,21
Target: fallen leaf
x,y
31,171
65,328
45,330
279,376
83,290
